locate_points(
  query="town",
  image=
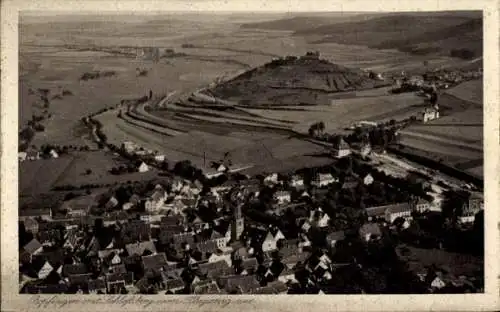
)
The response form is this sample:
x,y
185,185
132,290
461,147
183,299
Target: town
x,y
202,165
222,232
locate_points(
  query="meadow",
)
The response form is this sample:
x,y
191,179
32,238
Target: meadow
x,y
458,135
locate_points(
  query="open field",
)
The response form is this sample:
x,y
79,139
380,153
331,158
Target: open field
x,y
457,264
343,112
38,176
457,137
100,163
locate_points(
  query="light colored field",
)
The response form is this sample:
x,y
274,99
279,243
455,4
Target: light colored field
x,y
92,95
344,111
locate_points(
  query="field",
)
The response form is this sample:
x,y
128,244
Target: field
x,y
99,163
37,177
54,56
456,264
457,137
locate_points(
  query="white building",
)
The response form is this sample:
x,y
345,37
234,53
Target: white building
x,y
297,181
282,197
430,114
143,167
271,179
368,179
341,149
22,156
324,179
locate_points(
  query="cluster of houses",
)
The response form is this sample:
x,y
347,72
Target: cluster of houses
x,y
160,241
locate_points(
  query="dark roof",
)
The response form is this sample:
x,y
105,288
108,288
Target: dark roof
x,y
370,228
81,280
96,284
155,262
207,246
173,283
249,264
215,269
392,208
206,289
276,287
114,277
167,232
242,283
74,269
32,246
140,248
335,236
183,237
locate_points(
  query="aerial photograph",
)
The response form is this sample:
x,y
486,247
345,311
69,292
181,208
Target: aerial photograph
x,y
251,153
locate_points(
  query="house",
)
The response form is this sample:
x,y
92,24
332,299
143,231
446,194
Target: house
x,y
32,155
350,183
156,200
287,275
282,197
471,207
129,146
341,148
22,156
140,247
32,248
73,239
334,237
369,231
368,179
220,256
79,206
116,281
212,270
273,288
239,284
143,167
210,288
53,154
97,286
173,284
31,225
319,218
437,283
111,203
271,179
208,246
155,263
160,158
421,205
324,179
271,239
429,114
297,181
183,241
135,230
390,212
39,268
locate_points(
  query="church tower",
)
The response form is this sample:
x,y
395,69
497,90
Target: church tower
x,y
237,224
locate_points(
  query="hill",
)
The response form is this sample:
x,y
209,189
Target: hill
x,y
454,35
293,76
306,22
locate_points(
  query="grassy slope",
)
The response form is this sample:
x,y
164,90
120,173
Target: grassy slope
x,y
407,32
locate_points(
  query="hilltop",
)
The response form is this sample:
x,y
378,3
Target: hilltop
x,y
293,76
433,34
